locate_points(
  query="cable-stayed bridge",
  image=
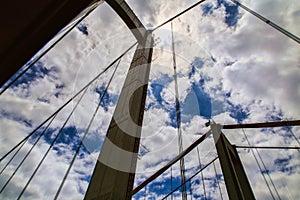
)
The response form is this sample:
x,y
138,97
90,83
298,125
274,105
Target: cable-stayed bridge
x,y
219,173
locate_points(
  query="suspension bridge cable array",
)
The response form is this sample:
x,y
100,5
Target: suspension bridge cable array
x,y
52,144
261,171
13,156
86,132
287,33
178,117
85,88
172,162
218,182
201,173
267,171
263,163
292,133
67,102
294,136
58,134
27,154
190,177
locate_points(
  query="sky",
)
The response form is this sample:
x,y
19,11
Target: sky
x,y
231,68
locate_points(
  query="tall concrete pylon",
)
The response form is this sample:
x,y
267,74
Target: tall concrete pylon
x,y
114,173
236,180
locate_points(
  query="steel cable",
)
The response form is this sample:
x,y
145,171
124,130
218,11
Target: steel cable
x,y
272,24
27,154
201,174
85,133
217,180
190,178
67,102
178,116
261,171
52,144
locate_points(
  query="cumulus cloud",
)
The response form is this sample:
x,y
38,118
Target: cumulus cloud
x,y
231,68
265,84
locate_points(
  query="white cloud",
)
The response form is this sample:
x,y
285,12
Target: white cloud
x,y
255,63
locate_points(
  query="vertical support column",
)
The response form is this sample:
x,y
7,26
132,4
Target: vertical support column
x,y
114,173
236,181
178,117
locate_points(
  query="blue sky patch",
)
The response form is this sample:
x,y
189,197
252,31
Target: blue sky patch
x,y
93,142
15,117
83,29
275,115
36,72
68,136
207,9
156,91
173,117
107,99
282,164
197,102
200,194
237,112
232,13
156,87
164,187
203,101
188,107
196,64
